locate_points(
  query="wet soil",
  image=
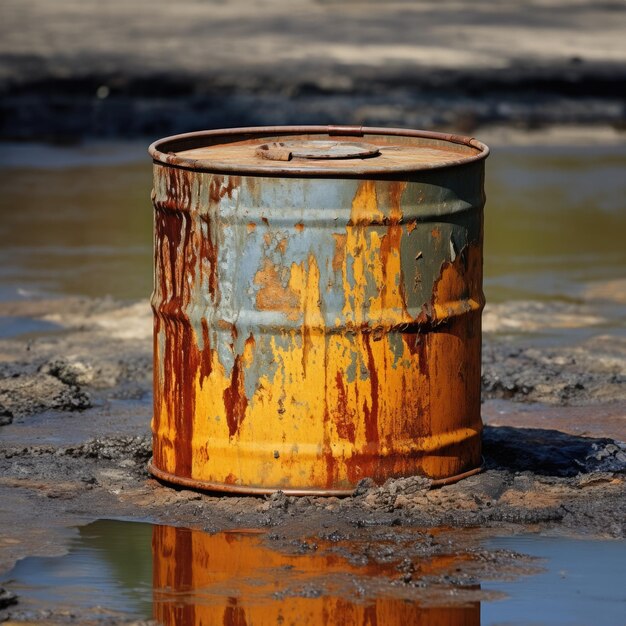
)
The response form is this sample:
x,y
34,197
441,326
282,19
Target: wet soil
x,y
76,408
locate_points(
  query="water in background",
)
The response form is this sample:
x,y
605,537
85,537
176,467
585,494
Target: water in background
x,y
79,221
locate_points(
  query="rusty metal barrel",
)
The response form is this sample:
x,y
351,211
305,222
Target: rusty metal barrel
x,y
317,307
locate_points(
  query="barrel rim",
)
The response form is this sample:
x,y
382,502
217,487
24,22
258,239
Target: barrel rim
x,y
210,486
162,151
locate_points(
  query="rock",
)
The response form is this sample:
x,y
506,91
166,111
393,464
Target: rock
x,y
401,502
364,486
6,416
407,486
69,370
607,457
7,598
28,394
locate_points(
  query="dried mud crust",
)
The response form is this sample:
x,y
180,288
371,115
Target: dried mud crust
x,y
593,372
75,461
101,353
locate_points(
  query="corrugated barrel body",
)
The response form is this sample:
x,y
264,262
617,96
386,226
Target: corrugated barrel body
x,y
316,328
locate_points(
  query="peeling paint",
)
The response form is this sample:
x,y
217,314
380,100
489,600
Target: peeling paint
x,y
272,295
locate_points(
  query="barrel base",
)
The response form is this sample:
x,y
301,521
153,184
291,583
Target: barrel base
x,y
202,485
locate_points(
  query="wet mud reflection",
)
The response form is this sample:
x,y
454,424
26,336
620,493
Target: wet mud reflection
x,y
235,580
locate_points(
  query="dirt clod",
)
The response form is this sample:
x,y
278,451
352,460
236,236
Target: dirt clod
x,y
7,598
22,395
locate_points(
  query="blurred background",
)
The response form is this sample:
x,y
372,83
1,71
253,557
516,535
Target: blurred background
x,y
85,85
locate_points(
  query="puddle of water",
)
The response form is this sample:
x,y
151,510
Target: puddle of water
x,y
183,577
583,584
554,224
25,326
188,578
76,230
109,564
554,220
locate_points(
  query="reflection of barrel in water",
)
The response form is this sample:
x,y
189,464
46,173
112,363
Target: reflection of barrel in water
x,y
234,580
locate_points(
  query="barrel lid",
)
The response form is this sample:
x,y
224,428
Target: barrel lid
x,y
316,150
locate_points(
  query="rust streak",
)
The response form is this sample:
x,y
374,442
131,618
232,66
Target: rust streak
x,y
235,401
340,251
371,412
307,344
205,356
208,255
422,355
234,615
327,451
222,186
215,188
391,243
180,358
344,417
231,479
232,184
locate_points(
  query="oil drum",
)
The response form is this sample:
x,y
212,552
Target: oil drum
x,y
317,307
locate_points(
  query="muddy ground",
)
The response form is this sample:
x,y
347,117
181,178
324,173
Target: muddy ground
x,y
75,401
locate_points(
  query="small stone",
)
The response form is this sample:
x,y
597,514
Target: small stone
x,y
71,371
401,502
7,598
363,486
